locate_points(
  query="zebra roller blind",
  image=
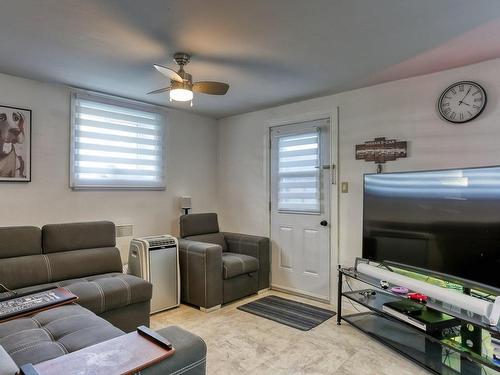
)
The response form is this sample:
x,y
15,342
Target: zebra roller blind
x,y
116,144
299,172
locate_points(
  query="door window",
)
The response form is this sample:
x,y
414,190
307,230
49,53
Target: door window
x,y
299,186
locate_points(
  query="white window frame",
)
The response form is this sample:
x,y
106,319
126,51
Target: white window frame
x,y
126,103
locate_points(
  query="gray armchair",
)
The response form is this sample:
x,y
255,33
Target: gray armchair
x,y
219,267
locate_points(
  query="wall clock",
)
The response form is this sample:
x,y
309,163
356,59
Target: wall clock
x,y
462,102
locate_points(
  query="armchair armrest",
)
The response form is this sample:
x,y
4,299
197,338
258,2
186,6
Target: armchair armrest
x,y
201,273
255,246
7,364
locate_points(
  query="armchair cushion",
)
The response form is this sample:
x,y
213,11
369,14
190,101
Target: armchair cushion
x,y
254,246
215,238
234,264
194,224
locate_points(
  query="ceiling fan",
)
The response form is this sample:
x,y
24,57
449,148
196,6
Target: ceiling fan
x,y
181,83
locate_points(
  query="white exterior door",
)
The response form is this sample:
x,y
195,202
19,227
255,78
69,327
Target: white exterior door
x,y
301,174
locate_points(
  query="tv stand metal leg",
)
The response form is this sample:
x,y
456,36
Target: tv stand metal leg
x,y
339,297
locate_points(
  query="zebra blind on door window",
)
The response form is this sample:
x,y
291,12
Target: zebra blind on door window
x,y
116,144
299,172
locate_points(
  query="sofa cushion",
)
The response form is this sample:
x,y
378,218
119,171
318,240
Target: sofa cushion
x,y
77,236
234,264
20,272
101,293
20,241
52,333
82,263
194,224
215,238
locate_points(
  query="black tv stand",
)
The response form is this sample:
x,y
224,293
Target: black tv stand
x,y
440,351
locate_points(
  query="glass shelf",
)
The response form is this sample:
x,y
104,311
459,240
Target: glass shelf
x,y
454,311
376,302
417,348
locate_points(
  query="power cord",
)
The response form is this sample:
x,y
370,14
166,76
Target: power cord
x,y
5,289
352,304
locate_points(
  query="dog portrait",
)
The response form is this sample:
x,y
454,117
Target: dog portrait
x,y
15,144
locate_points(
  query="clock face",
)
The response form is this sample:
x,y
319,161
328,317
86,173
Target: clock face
x,y
462,102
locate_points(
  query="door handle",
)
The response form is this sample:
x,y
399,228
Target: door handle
x,y
323,223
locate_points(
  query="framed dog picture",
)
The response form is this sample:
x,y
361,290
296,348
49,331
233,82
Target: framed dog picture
x,y
15,144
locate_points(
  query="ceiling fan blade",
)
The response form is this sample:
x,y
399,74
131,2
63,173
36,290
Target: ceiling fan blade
x,y
159,91
170,73
211,88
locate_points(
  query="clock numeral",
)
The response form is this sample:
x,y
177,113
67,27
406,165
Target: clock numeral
x,y
478,100
461,116
470,113
475,93
453,91
447,97
445,105
446,111
475,106
453,115
460,87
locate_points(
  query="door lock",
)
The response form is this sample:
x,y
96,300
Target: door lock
x,y
323,223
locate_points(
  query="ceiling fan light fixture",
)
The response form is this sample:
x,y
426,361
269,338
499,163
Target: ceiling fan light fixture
x,y
181,95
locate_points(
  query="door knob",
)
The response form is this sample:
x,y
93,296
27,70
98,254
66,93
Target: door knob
x,y
323,223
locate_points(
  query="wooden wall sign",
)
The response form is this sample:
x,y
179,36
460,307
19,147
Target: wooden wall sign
x,y
381,150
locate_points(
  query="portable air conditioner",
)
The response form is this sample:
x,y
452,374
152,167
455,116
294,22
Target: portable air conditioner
x,y
156,259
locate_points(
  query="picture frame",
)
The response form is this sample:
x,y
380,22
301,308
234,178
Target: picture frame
x,y
15,144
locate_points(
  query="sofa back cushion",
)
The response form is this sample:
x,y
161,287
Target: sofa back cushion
x,y
70,251
86,262
216,238
20,241
19,272
195,224
77,236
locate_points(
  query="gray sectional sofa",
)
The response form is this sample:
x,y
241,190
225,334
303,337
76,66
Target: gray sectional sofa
x,y
81,257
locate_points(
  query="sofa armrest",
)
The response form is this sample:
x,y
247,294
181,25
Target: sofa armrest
x,y
189,358
201,273
255,246
7,364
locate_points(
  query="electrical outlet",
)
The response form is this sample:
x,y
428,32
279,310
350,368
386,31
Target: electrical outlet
x,y
344,187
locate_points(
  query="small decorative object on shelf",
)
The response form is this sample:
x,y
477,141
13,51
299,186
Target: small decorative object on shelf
x,y
418,297
400,290
384,284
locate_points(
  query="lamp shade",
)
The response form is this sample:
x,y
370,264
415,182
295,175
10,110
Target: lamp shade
x,y
185,202
181,95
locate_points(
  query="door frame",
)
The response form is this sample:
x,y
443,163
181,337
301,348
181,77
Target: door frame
x,y
333,116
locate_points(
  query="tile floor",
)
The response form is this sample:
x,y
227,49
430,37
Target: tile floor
x,y
241,343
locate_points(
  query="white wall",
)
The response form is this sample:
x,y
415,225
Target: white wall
x,y
191,168
405,110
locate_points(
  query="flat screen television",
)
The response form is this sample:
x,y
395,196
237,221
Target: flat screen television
x,y
441,222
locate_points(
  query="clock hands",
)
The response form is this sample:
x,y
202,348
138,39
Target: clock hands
x,y
462,101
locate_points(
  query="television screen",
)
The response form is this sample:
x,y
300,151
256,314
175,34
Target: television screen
x,y
444,221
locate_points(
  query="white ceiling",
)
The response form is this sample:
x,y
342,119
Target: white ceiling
x,y
270,51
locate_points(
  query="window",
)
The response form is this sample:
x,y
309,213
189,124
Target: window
x,y
116,144
299,172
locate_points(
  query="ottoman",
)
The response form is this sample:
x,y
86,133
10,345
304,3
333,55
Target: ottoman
x,y
61,330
